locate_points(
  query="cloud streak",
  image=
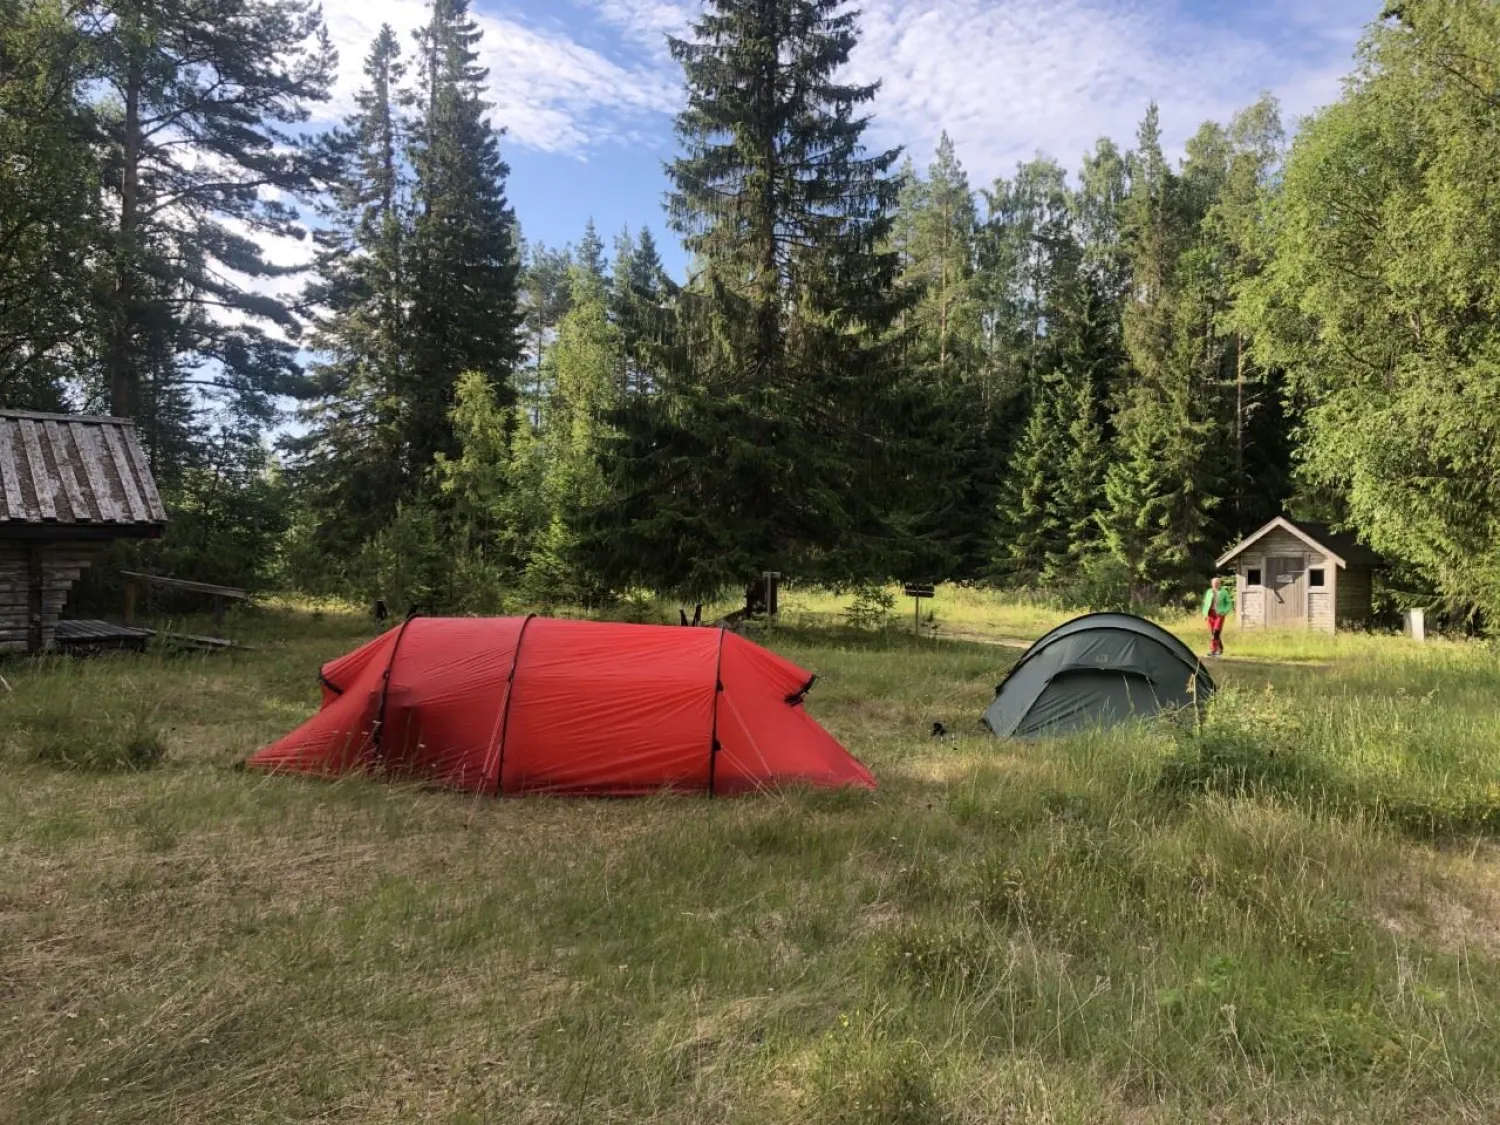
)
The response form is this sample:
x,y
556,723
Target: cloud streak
x,y
550,92
1009,77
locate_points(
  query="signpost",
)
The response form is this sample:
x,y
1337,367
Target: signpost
x,y
916,591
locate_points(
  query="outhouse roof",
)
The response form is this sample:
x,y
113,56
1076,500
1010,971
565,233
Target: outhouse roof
x,y
1341,547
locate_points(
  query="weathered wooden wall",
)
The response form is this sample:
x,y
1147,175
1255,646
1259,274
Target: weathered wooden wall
x,y
1283,544
61,564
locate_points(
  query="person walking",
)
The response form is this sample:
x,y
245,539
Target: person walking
x,y
1218,604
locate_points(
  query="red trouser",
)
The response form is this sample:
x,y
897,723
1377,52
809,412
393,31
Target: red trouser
x,y
1215,627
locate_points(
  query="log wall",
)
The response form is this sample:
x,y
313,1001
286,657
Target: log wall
x,y
61,564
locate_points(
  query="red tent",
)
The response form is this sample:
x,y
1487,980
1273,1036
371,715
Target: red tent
x,y
539,705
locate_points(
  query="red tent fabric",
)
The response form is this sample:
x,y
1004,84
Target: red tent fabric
x,y
509,705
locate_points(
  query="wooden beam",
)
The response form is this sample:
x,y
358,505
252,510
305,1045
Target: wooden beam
x,y
183,584
35,586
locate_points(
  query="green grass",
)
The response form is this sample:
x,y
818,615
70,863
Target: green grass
x,y
1288,915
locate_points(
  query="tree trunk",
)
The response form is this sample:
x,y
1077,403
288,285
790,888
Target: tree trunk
x,y
123,379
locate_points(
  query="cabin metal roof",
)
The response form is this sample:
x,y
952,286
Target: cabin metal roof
x,y
75,471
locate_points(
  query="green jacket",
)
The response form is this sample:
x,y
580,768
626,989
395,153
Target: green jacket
x,y
1226,601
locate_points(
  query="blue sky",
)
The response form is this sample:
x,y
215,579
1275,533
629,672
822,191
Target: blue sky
x,y
586,90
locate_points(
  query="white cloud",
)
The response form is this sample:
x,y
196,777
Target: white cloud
x,y
1009,77
646,23
550,92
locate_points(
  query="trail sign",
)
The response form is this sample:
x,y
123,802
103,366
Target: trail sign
x,y
916,591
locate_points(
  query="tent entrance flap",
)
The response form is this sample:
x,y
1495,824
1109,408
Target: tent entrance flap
x,y
1076,699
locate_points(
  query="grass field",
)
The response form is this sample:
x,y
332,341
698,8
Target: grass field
x,y
1288,915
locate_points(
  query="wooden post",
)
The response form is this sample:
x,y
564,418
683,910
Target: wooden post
x,y
218,616
129,601
35,602
916,591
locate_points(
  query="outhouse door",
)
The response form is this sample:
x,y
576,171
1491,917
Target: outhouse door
x,y
1286,593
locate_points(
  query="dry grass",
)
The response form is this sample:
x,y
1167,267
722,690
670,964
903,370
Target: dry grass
x,y
1288,918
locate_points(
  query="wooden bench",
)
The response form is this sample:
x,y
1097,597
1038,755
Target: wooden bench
x,y
220,594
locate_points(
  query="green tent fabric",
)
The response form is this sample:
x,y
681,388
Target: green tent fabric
x,y
1096,670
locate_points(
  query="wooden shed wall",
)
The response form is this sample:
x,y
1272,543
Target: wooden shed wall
x,y
1283,544
62,563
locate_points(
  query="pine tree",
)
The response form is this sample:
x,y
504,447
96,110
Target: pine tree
x,y
640,300
935,233
941,253
464,303
50,221
772,442
1163,490
352,468
590,254
1030,255
195,114
544,301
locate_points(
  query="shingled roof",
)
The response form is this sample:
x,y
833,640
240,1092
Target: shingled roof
x,y
75,475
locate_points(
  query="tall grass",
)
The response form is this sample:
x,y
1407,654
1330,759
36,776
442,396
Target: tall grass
x,y
1273,919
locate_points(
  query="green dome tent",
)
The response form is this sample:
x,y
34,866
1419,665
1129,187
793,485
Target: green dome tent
x,y
1096,670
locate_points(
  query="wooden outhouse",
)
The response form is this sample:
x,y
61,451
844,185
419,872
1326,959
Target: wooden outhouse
x,y
69,484
1292,574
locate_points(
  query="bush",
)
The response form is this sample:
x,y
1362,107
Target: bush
x,y
1102,583
872,606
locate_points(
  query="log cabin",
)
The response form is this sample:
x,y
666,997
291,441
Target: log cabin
x,y
70,484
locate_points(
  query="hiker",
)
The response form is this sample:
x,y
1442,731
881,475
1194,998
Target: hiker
x,y
1218,604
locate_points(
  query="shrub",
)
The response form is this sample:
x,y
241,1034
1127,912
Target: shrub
x,y
872,606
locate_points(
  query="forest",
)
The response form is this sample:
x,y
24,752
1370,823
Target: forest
x,y
1089,377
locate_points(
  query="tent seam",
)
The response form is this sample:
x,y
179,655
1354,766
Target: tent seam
x,y
385,687
713,737
510,695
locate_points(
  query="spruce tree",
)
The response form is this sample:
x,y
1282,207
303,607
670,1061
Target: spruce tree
x,y
463,273
640,298
585,362
935,233
589,257
1163,490
773,440
352,465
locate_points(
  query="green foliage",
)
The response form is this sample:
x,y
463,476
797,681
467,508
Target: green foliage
x,y
872,606
1380,295
409,562
50,220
